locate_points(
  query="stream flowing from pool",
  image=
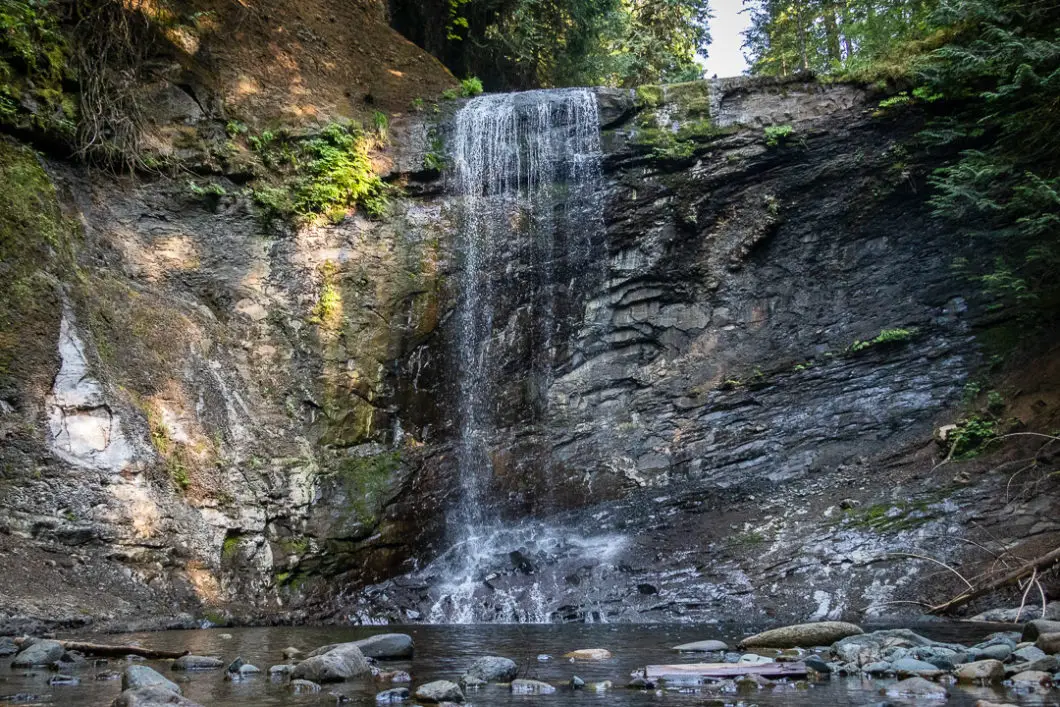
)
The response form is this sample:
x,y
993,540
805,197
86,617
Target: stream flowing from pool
x,y
444,652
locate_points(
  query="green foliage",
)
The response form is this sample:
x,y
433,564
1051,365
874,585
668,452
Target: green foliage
x,y
972,436
885,337
235,128
471,87
519,44
777,135
325,174
34,63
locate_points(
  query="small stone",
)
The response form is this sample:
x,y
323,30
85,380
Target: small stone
x,y
917,687
589,654
192,663
1047,664
914,667
531,687
491,669
38,654
235,665
641,684
880,667
341,662
291,652
280,672
982,672
702,647
602,686
7,646
398,694
108,675
1032,677
302,687
63,680
440,691
754,659
394,676
543,658
576,683
1028,654
755,682
984,703
1048,642
137,676
152,696
818,665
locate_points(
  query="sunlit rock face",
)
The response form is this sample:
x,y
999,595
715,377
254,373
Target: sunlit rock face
x,y
83,429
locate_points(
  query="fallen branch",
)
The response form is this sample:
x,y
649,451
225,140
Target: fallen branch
x,y
1030,567
106,651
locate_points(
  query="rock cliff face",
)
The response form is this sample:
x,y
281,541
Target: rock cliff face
x,y
205,411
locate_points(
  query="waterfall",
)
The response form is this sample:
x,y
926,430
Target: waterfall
x,y
526,171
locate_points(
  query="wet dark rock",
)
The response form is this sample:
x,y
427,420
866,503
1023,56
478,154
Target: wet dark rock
x,y
1033,629
398,694
235,665
38,654
1028,654
139,676
439,691
490,669
108,675
1032,678
386,646
702,647
806,635
520,562
393,676
1048,664
7,646
152,696
342,662
302,687
640,683
917,687
531,687
281,672
753,682
576,683
194,663
818,665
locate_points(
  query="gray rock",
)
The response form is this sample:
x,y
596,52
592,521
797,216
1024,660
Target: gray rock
x,y
439,691
398,694
815,634
880,667
576,683
1032,678
641,684
37,654
818,665
1049,642
194,663
754,659
387,645
917,687
343,662
152,696
982,672
7,646
1028,654
913,667
702,647
290,652
64,680
1047,664
491,669
137,676
302,687
1033,629
531,687
280,672
998,651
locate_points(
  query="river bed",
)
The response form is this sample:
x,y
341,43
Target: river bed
x,y
444,651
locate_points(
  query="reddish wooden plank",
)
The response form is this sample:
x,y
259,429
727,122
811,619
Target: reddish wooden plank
x,y
726,670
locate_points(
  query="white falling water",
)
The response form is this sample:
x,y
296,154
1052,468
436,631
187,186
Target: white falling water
x,y
517,158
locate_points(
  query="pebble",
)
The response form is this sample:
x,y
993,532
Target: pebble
x,y
531,687
982,672
589,654
300,687
398,694
917,687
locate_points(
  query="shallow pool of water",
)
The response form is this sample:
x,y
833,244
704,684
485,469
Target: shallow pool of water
x,y
443,652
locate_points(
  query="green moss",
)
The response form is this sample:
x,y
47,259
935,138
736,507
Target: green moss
x,y
295,546
884,338
648,96
891,517
365,480
36,251
328,310
230,547
691,99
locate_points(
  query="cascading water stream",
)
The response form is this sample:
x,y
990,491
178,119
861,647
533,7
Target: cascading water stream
x,y
527,173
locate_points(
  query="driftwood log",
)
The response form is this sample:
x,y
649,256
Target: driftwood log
x,y
1041,563
107,651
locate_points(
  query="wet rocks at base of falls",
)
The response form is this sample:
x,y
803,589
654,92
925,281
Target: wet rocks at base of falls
x,y
703,647
489,669
37,654
398,694
152,697
139,676
439,691
981,672
340,662
385,646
